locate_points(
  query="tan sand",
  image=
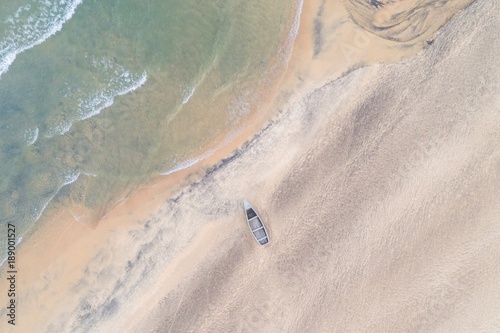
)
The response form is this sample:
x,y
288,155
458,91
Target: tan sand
x,y
380,191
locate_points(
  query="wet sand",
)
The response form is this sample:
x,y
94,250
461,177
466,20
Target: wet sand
x,y
380,191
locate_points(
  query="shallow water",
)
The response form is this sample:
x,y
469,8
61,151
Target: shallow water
x,y
97,97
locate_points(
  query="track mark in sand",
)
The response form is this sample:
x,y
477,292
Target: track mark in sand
x,y
63,233
177,310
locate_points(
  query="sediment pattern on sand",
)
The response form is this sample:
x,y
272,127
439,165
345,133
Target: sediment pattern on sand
x,y
403,20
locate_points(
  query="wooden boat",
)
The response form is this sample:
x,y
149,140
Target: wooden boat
x,y
257,228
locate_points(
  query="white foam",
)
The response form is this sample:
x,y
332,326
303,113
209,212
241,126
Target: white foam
x,y
181,166
68,179
187,94
32,136
286,51
92,105
190,163
59,129
37,216
104,99
26,29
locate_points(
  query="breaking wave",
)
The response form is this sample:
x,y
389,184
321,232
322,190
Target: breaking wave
x,y
31,25
93,104
32,135
188,93
285,52
189,163
68,179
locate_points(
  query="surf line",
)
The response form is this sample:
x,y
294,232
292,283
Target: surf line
x,y
189,163
12,46
97,102
68,180
33,137
285,52
187,95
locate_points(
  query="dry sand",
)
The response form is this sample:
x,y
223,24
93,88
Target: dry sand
x,y
380,190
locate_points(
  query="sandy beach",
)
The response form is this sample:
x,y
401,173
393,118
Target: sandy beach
x,y
378,178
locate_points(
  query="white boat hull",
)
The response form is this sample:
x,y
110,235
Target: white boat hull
x,y
255,224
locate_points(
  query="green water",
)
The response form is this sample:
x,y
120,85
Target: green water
x,y
125,91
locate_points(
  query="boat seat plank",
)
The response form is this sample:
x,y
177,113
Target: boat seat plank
x,y
255,223
259,234
254,230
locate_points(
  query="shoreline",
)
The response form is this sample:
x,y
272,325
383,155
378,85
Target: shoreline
x,y
67,243
222,145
